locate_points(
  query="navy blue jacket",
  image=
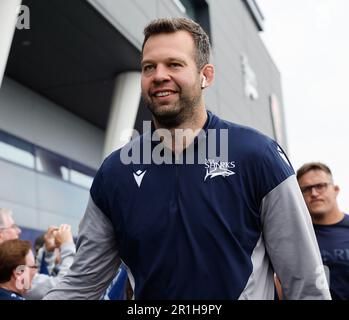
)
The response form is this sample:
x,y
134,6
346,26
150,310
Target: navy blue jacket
x,y
9,295
334,247
215,229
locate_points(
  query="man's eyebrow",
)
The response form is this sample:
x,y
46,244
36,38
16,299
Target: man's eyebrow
x,y
146,61
170,59
177,60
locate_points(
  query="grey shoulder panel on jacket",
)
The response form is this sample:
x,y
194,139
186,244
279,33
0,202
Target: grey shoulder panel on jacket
x,y
96,260
291,243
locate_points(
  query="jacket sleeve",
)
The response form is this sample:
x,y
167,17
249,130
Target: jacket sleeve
x,y
291,243
96,261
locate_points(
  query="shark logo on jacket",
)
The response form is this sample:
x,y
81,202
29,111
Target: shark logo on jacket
x,y
218,168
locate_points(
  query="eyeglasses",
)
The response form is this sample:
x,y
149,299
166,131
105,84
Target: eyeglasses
x,y
32,267
319,188
21,268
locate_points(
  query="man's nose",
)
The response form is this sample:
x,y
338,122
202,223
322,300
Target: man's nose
x,y
161,74
313,192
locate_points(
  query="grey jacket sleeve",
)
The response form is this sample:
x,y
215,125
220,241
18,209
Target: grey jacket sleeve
x,y
96,261
291,243
42,283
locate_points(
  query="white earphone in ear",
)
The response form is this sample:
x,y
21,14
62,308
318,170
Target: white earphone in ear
x,y
203,83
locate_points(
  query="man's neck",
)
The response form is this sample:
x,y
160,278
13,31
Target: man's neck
x,y
190,129
328,219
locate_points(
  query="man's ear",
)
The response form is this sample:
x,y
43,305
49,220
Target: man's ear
x,y
16,274
207,75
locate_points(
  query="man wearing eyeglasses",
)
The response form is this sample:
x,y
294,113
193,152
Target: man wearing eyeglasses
x,y
331,225
17,269
8,229
63,239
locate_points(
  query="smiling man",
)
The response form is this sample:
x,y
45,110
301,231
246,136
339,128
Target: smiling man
x,y
173,79
210,229
330,223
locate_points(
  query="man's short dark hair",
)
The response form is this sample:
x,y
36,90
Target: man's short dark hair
x,y
305,168
171,25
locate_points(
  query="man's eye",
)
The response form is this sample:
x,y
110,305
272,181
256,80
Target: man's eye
x,y
175,65
148,67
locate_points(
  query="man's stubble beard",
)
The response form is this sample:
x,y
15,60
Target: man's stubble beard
x,y
182,111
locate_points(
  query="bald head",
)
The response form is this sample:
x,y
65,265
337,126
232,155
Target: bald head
x,y
4,214
8,228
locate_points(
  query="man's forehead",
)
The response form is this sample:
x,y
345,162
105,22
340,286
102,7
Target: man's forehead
x,y
179,40
315,175
30,256
180,34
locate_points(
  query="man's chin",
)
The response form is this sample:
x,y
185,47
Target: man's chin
x,y
316,213
160,109
168,120
166,115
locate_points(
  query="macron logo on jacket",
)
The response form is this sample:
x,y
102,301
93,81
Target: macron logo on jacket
x,y
139,176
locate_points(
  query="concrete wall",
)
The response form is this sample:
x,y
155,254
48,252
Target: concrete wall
x,y
233,34
30,116
39,200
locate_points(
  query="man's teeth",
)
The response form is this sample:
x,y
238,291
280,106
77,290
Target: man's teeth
x,y
162,94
